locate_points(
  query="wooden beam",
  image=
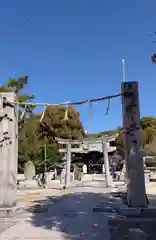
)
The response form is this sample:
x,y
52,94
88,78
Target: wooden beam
x,y
100,140
66,141
81,150
76,150
85,140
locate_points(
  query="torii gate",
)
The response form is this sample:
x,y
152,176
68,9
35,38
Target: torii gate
x,y
104,140
68,150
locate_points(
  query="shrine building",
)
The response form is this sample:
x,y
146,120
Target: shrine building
x,y
89,151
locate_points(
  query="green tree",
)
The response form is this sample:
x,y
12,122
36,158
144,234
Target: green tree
x,y
18,85
148,126
31,146
55,125
33,135
148,136
148,122
28,141
150,148
52,157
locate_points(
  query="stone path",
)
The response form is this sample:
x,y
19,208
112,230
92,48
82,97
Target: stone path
x,y
5,224
71,216
27,197
68,217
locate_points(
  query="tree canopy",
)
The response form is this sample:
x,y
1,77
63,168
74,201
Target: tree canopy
x,y
34,134
54,123
148,136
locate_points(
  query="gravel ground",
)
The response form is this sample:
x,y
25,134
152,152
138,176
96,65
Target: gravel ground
x,y
5,224
72,214
119,228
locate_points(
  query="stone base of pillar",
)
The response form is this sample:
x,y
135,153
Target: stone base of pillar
x,y
127,213
122,194
137,234
110,182
28,184
10,211
149,212
110,186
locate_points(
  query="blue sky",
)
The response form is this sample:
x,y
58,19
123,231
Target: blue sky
x,y
72,50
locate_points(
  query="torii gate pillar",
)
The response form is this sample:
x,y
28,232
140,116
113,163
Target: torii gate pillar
x,y
68,165
109,181
136,193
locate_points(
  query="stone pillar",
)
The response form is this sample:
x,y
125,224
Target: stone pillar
x,y
84,169
55,174
103,168
29,170
68,165
122,176
106,163
136,194
8,151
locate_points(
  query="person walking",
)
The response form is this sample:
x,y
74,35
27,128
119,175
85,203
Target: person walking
x,y
113,171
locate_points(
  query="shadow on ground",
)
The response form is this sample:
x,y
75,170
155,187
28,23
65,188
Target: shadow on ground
x,y
75,217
